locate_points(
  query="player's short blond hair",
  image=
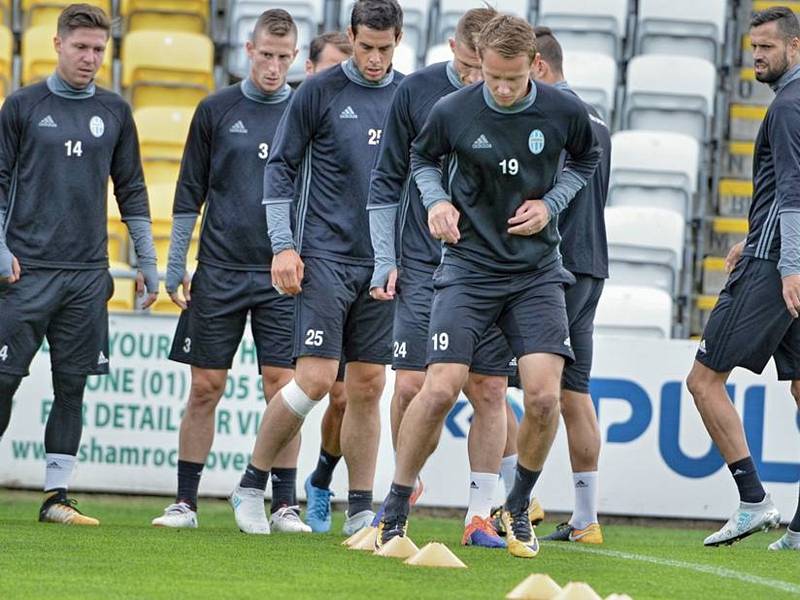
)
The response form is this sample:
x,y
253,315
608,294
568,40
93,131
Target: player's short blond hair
x,y
469,26
509,36
77,16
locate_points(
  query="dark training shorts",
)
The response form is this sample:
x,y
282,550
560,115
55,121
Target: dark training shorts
x,y
210,330
529,308
335,317
69,307
410,335
582,298
751,323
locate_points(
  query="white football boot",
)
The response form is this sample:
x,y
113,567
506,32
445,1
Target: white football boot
x,y
287,520
179,516
249,511
750,518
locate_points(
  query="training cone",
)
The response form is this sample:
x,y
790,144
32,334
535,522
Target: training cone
x,y
367,541
575,590
356,537
398,547
619,597
535,587
435,555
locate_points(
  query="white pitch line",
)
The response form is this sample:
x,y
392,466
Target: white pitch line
x,y
776,584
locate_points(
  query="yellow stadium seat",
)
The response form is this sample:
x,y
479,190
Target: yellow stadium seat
x,y
165,306
162,68
6,60
161,197
123,299
5,11
46,12
162,134
161,243
39,57
169,15
117,231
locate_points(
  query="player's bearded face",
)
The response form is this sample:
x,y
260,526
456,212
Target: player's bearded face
x,y
373,50
270,59
772,54
466,62
508,79
80,55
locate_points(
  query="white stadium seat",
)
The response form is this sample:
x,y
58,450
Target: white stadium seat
x,y
405,59
634,311
656,100
685,27
654,168
438,53
645,246
307,14
594,78
596,26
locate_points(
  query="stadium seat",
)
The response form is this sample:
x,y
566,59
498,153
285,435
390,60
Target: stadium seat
x,y
682,104
160,68
654,169
685,27
405,59
168,15
645,246
416,15
161,196
438,53
117,231
307,14
45,12
162,135
6,61
637,311
594,78
5,11
450,11
598,26
124,297
39,57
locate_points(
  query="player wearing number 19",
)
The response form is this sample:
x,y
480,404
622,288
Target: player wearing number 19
x,y
501,262
60,141
228,144
327,140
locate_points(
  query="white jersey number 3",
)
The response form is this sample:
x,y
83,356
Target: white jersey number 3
x,y
263,151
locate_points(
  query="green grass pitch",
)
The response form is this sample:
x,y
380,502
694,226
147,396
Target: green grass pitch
x,y
126,558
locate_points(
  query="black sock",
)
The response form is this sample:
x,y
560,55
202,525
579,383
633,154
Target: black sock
x,y
520,495
397,502
283,484
795,524
189,474
746,478
8,387
254,478
322,475
358,501
62,434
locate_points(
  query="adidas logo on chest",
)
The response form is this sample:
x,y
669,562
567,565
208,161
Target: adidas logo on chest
x,y
48,121
481,143
348,113
238,127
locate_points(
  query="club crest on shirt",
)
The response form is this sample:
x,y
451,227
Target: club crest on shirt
x,y
536,141
96,126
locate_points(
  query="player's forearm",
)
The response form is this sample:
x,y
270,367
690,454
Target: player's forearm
x,y
6,259
180,238
789,263
142,233
572,180
279,224
429,182
382,223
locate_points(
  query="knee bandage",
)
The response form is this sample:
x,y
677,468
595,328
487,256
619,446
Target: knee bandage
x,y
297,400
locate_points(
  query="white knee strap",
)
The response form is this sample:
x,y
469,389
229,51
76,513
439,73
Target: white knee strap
x,y
297,400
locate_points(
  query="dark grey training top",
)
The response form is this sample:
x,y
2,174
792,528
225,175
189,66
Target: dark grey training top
x,y
57,152
500,157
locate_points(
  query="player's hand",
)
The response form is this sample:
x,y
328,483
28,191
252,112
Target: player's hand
x,y
15,272
141,291
531,217
287,272
443,222
183,302
734,254
791,294
388,292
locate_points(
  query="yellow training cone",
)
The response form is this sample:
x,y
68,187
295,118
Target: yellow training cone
x,y
367,541
398,547
575,590
355,538
619,597
435,555
535,587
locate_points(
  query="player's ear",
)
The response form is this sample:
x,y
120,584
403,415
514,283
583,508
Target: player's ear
x,y
398,37
250,48
57,44
452,43
309,67
351,35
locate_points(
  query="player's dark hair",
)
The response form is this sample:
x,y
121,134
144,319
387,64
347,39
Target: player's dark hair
x,y
77,16
788,24
379,15
509,36
470,24
549,49
277,22
335,38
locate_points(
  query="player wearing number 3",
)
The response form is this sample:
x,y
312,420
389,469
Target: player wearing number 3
x,y
501,262
228,144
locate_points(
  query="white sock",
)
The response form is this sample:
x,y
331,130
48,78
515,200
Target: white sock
x,y
481,493
58,471
586,491
793,536
508,469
